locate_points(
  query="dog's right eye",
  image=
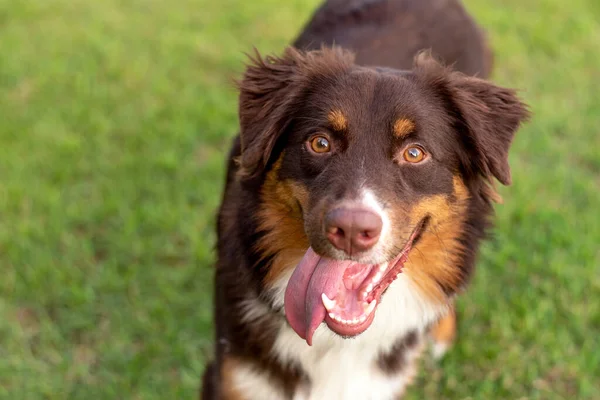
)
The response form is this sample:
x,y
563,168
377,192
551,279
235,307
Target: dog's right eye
x,y
320,144
414,154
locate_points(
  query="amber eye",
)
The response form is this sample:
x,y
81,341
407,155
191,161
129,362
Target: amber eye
x,y
320,144
414,154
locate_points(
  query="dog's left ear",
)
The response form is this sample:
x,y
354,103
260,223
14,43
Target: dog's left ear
x,y
491,115
488,116
271,90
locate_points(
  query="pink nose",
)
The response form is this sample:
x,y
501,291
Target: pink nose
x,y
353,229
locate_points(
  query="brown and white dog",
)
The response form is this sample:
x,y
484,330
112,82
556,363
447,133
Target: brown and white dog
x,y
357,194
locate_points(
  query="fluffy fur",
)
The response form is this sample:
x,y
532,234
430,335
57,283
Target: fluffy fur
x,y
372,100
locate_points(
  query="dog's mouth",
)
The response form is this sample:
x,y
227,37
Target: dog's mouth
x,y
342,293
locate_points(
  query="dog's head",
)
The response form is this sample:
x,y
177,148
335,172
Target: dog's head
x,y
367,173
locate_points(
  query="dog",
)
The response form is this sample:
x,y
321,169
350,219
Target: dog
x,y
357,194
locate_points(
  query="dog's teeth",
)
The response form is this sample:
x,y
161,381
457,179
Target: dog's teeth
x,y
380,271
365,293
382,268
369,307
353,321
327,302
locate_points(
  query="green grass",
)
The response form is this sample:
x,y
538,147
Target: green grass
x,y
115,117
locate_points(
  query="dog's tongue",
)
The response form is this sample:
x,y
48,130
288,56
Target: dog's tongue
x,y
314,276
303,306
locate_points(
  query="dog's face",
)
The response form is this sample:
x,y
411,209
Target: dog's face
x,y
368,173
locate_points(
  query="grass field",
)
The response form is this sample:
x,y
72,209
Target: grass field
x,y
115,116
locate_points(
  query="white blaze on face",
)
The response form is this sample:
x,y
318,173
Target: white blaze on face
x,y
369,200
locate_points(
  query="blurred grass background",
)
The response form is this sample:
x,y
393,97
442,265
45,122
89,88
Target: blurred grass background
x,y
115,117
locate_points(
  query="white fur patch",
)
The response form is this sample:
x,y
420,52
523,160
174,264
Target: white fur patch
x,y
278,289
343,369
381,251
439,350
370,200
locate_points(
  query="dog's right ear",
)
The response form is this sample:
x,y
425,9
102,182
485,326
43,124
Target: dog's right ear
x,y
271,89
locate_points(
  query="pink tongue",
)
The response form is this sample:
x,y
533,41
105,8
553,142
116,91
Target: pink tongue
x,y
313,276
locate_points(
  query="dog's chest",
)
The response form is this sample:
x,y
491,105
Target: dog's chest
x,y
348,370
360,367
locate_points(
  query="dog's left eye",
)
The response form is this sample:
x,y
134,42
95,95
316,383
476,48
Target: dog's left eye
x,y
320,144
414,154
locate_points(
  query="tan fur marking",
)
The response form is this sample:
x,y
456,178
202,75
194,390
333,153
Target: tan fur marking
x,y
460,189
444,331
299,192
403,127
438,252
337,120
281,218
228,389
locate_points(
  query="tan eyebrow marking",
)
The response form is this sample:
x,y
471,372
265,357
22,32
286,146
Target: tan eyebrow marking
x,y
337,120
403,127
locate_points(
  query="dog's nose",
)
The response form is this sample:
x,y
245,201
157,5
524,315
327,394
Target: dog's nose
x,y
353,229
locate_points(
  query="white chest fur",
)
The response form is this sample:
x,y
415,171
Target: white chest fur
x,y
347,368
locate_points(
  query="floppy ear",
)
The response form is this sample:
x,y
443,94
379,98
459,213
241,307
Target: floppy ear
x,y
271,90
487,115
492,116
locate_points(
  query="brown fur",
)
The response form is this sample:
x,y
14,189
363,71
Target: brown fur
x,y
229,390
263,97
390,32
391,362
277,192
